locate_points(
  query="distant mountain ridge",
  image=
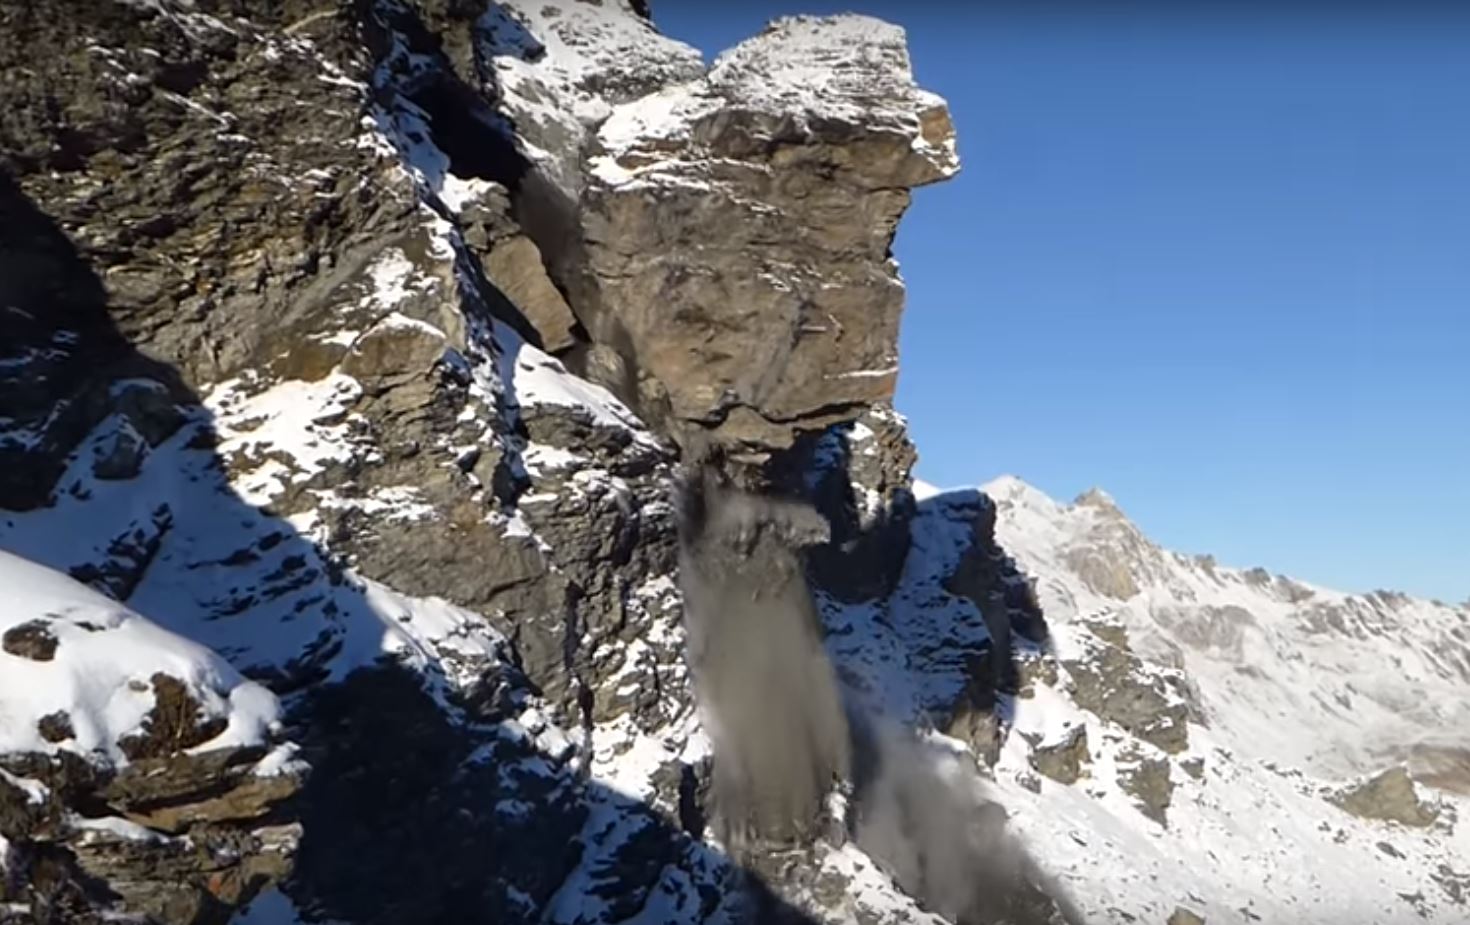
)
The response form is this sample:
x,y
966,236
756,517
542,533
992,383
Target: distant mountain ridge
x,y
1295,694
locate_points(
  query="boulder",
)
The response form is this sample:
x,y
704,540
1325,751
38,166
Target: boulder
x,y
1389,796
735,231
514,266
1062,761
1149,782
32,639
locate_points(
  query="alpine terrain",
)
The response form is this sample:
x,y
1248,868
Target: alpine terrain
x,y
448,474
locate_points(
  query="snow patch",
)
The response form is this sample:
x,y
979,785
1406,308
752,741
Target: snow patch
x,y
99,675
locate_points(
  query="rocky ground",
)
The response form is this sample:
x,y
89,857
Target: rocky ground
x,y
349,357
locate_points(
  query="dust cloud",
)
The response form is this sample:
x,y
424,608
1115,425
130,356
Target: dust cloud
x,y
784,740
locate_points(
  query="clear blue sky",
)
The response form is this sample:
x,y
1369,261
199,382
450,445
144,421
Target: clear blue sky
x,y
1216,263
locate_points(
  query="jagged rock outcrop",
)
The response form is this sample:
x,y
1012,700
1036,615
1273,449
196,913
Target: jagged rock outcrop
x,y
1119,687
280,289
736,232
138,773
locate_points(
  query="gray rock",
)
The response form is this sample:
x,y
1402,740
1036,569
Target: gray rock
x,y
120,456
1062,761
514,266
1113,684
1148,780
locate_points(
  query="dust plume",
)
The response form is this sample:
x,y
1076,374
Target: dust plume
x,y
919,812
783,738
768,692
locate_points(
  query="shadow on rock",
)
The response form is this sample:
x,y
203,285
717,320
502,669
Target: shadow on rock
x,y
412,817
424,805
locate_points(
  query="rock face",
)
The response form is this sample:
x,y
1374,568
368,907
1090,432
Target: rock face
x,y
736,231
281,288
350,357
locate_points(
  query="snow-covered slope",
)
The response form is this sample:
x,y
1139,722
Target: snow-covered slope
x,y
1294,695
323,371
88,663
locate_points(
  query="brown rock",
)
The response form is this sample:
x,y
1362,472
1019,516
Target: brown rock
x,y
55,727
1182,916
175,723
779,193
393,350
32,640
514,265
174,793
1389,796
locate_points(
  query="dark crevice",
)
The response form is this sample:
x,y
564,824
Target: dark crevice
x,y
477,142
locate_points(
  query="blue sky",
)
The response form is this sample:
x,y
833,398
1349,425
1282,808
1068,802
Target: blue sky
x,y
1216,263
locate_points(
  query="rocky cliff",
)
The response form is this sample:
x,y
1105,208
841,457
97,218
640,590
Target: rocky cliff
x,y
358,363
354,347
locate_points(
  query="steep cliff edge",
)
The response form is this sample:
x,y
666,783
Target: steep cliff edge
x,y
280,286
351,356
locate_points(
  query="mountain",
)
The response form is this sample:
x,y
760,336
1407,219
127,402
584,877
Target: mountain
x,y
1324,769
448,474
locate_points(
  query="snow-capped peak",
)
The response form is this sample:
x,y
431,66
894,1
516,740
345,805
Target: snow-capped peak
x,y
1305,706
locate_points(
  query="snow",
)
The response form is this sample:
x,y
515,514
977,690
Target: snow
x,y
923,491
560,68
537,378
395,279
302,421
810,71
100,676
35,791
113,828
1257,833
282,760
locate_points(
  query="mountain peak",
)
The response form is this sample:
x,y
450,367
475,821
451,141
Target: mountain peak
x,y
1098,499
1010,487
